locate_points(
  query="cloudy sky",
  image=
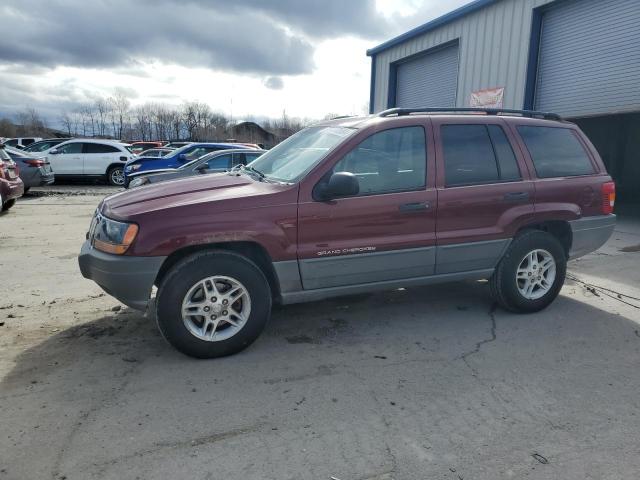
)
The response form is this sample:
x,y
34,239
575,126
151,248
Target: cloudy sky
x,y
242,57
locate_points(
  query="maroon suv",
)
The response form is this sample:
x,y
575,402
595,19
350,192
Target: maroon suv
x,y
353,205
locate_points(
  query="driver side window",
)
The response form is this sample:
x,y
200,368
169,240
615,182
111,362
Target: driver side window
x,y
71,148
390,161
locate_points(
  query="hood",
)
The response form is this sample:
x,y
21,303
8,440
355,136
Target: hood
x,y
230,191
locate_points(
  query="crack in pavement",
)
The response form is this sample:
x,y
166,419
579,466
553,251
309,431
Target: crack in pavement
x,y
478,345
608,292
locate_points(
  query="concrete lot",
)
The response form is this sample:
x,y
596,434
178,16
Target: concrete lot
x,y
424,383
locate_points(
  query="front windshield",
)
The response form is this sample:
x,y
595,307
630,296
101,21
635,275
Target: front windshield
x,y
290,160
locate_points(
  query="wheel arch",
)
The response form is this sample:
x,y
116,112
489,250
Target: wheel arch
x,y
251,250
560,229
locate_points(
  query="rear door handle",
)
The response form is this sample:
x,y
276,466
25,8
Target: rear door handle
x,y
516,196
414,207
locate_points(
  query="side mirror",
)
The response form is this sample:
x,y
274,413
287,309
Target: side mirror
x,y
341,184
183,157
202,168
54,151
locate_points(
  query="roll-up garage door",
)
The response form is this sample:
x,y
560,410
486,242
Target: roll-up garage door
x,y
429,80
589,59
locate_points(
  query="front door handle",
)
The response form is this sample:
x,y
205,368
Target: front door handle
x,y
516,196
414,207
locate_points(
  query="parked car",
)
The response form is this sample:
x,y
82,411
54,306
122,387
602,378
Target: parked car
x,y
138,147
43,145
175,159
11,187
177,144
21,142
156,152
350,206
89,158
214,162
34,171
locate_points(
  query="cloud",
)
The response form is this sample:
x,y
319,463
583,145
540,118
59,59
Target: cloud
x,y
120,34
274,83
274,37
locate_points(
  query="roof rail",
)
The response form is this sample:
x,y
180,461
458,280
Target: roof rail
x,y
487,111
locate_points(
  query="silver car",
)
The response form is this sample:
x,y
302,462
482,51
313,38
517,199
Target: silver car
x,y
214,162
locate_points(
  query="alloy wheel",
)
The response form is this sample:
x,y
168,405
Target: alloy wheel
x,y
117,176
216,308
536,274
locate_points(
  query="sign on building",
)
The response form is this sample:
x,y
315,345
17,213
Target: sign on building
x,y
487,98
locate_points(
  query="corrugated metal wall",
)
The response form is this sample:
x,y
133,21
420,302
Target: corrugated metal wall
x,y
494,47
441,68
589,64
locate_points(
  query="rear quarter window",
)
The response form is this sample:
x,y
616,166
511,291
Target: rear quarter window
x,y
556,152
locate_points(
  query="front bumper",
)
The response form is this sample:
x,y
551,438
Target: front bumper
x,y
127,278
590,233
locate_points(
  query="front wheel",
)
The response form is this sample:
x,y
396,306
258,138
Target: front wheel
x,y
115,176
213,304
531,273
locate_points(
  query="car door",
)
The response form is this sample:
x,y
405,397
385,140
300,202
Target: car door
x,y
484,192
387,231
67,160
99,156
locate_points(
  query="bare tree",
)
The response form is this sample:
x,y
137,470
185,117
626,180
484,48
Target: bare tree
x,y
102,108
67,122
30,123
121,105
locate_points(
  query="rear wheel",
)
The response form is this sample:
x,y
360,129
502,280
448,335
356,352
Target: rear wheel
x,y
531,273
213,304
115,176
8,204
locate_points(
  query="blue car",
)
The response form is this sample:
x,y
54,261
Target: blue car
x,y
175,159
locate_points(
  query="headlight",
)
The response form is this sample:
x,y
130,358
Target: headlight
x,y
110,236
136,182
133,168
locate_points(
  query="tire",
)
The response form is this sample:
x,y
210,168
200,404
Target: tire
x,y
187,280
512,275
26,190
8,204
115,176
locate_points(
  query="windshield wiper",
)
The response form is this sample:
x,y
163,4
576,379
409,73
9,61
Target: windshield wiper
x,y
255,170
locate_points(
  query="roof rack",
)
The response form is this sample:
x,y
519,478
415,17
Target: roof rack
x,y
487,111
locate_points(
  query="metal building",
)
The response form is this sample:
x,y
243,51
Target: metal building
x,y
578,58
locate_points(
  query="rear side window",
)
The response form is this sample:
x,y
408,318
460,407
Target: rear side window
x,y
477,154
99,148
556,152
390,161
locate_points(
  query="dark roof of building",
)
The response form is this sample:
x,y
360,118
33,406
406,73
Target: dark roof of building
x,y
432,25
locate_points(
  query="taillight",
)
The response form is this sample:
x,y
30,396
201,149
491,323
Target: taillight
x,y
608,197
35,163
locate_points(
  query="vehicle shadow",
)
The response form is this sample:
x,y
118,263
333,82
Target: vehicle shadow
x,y
423,348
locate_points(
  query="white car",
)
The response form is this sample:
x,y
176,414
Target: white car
x,y
89,158
20,142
